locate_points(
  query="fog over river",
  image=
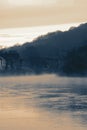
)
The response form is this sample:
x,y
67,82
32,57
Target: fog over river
x,y
43,102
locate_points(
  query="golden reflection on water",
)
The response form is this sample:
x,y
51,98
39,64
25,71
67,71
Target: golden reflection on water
x,y
16,115
22,118
33,119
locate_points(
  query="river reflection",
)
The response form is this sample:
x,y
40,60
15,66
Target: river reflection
x,y
43,102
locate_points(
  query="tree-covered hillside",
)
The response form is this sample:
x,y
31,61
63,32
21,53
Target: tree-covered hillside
x,y
57,52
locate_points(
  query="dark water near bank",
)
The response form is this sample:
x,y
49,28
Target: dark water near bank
x,y
47,101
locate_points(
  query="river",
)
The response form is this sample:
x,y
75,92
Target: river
x,y
43,102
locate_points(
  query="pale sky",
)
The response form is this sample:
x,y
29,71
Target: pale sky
x,y
22,13
12,36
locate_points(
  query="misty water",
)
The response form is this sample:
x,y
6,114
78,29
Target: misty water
x,y
43,102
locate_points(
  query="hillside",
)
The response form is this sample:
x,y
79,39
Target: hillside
x,y
51,53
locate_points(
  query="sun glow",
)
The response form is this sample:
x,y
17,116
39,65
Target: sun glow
x,y
41,2
32,2
12,36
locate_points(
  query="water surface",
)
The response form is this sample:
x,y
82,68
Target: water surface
x,y
43,102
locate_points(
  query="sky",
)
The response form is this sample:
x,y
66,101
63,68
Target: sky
x,y
12,36
45,14
23,13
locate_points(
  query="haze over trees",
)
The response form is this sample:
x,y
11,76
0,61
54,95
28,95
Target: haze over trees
x,y
59,52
